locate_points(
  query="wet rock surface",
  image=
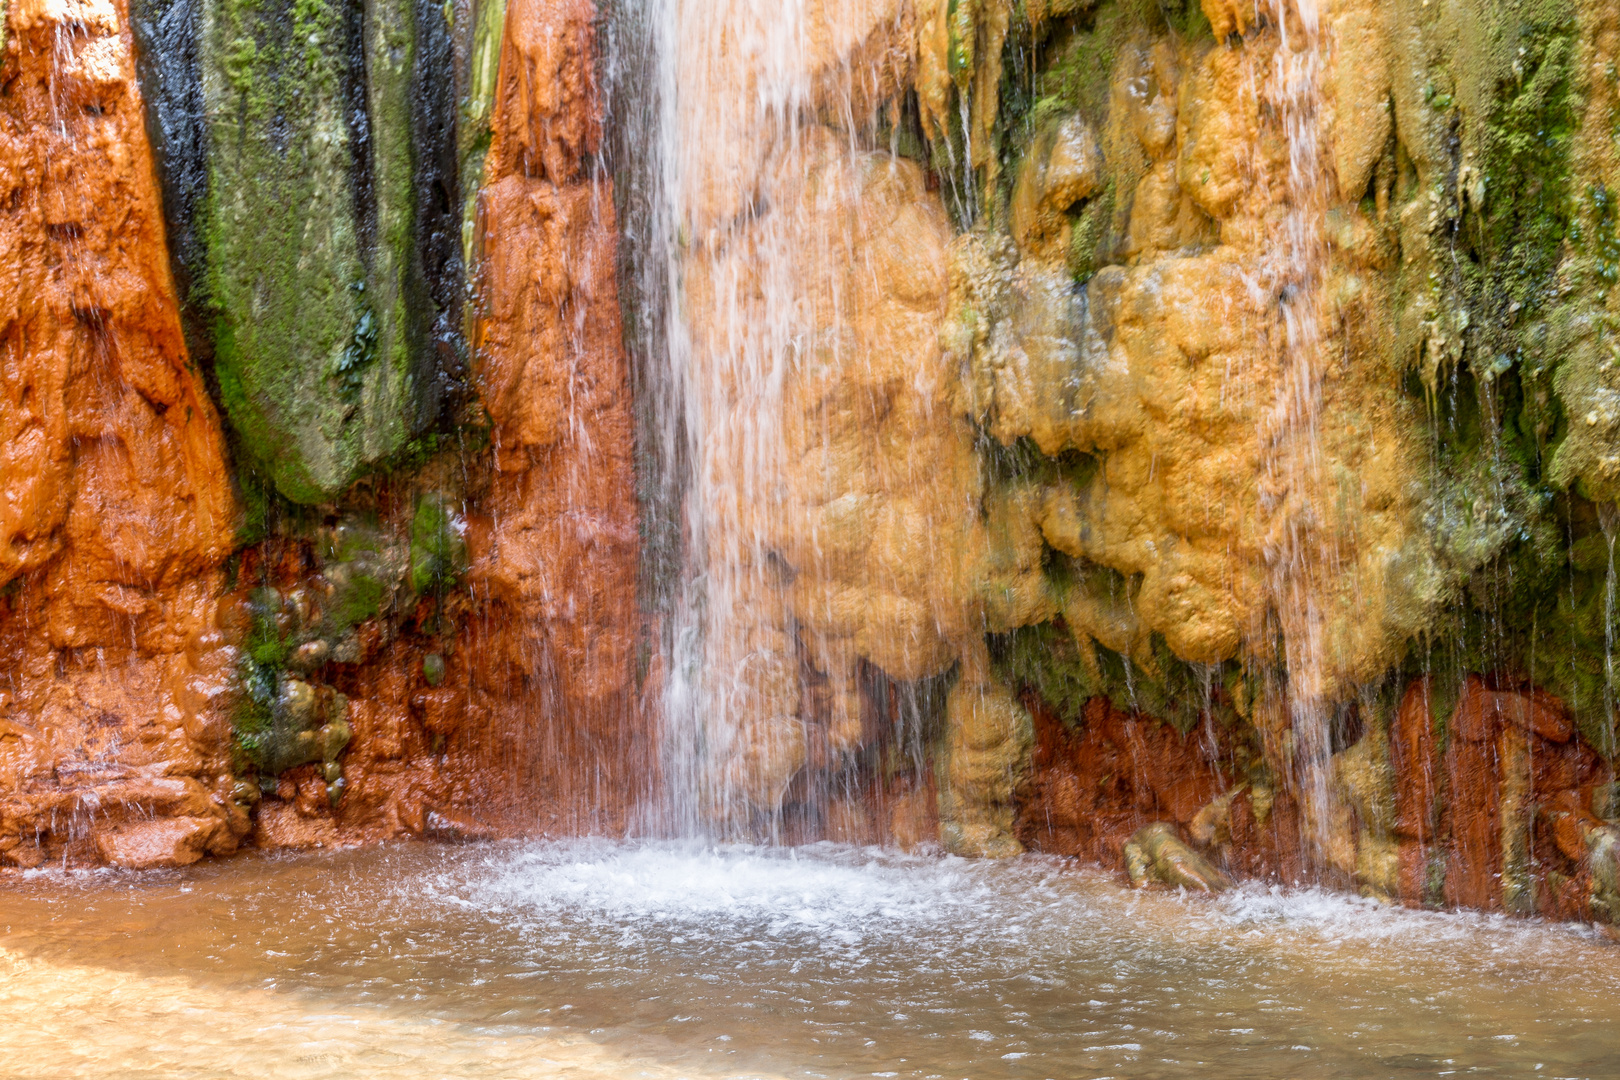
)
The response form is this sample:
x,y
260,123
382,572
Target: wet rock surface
x,y
116,509
312,248
1175,438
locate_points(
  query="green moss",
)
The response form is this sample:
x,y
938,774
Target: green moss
x,y
1089,235
963,32
361,599
257,496
1047,659
1535,613
265,740
1022,462
350,367
279,723
1601,243
438,552
308,229
1526,158
1515,457
473,134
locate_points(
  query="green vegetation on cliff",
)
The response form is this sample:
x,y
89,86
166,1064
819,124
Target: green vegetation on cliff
x,y
312,275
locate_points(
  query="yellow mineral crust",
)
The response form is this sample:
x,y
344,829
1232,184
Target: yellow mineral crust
x,y
1230,379
1174,371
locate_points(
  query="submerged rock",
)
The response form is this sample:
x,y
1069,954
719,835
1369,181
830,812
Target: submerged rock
x,y
1157,853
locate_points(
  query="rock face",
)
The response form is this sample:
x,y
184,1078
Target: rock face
x,y
554,542
1242,454
315,238
1199,460
116,510
452,654
447,650
1514,815
1157,853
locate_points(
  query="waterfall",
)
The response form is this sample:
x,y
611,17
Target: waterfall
x,y
733,95
752,211
704,92
748,128
1302,557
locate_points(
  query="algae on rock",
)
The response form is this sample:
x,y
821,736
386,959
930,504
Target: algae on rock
x,y
313,276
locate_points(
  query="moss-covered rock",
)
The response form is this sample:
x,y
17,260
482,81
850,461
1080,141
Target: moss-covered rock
x,y
438,551
285,715
282,720
313,271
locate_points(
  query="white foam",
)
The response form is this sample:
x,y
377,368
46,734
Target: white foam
x,y
820,889
1337,918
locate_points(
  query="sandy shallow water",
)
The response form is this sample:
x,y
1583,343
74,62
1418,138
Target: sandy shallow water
x,y
606,959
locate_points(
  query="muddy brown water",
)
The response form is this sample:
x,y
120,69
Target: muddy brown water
x,y
606,959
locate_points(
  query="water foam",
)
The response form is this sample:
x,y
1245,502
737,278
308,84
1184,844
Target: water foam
x,y
1045,909
815,889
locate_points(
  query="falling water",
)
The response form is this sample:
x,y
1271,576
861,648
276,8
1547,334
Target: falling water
x,y
718,420
732,98
1302,557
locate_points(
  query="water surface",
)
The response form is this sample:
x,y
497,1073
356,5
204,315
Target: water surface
x,y
593,958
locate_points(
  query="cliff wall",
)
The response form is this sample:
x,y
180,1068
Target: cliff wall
x,y
1176,435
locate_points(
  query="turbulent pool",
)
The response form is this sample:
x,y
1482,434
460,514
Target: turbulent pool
x,y
595,958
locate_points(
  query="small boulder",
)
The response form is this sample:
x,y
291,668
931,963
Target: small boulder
x,y
310,655
449,825
297,701
145,845
1157,853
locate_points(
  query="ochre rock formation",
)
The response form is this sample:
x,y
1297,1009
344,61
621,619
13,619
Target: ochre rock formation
x,y
116,510
554,541
1224,489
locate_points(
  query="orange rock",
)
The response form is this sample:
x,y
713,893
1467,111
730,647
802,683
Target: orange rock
x,y
1472,806
1538,712
143,845
1092,789
1412,759
547,114
1570,822
1480,711
556,723
449,825
914,818
117,505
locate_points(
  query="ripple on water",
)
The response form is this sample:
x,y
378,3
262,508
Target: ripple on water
x,y
842,961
